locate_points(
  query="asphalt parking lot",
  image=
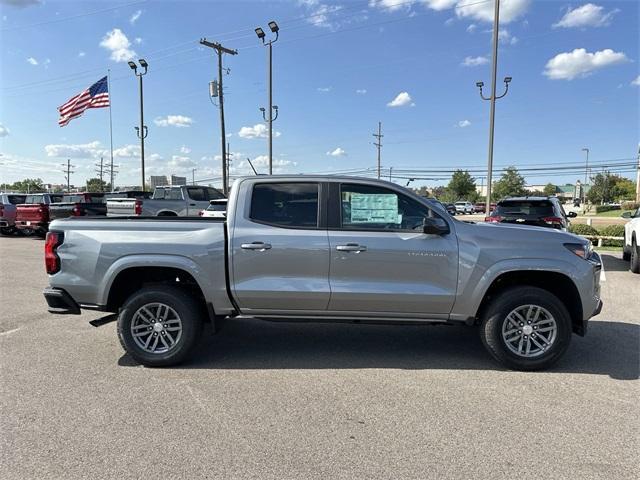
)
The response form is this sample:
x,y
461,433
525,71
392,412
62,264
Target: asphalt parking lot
x,y
292,401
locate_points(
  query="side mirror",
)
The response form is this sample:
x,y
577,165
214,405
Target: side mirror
x,y
626,215
572,214
435,226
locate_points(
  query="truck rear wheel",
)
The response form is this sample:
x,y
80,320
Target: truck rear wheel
x,y
159,326
526,328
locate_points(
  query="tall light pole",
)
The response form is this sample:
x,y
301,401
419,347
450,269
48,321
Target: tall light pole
x,y
269,118
493,98
142,130
586,170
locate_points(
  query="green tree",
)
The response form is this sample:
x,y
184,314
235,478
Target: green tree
x,y
549,189
511,184
31,185
97,185
462,185
439,192
608,187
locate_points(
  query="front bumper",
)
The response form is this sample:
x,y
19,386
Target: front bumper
x,y
60,302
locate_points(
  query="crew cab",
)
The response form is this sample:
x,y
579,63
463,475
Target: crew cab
x,y
631,247
328,249
8,211
169,201
33,215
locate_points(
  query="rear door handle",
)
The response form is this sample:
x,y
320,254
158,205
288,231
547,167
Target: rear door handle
x,y
256,246
351,247
192,204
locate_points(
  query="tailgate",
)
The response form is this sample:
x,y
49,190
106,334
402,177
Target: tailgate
x,y
60,210
37,212
121,207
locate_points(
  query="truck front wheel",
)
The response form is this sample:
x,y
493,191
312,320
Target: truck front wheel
x,y
159,326
526,328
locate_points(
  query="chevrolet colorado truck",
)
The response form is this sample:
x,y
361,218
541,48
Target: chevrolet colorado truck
x,y
328,249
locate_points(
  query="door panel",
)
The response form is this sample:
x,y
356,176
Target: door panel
x,y
280,260
381,261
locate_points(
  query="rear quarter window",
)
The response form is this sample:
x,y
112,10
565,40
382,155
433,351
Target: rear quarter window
x,y
291,205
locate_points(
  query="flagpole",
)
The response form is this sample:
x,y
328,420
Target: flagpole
x,y
110,124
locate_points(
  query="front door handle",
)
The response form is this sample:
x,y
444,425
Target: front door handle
x,y
351,247
261,246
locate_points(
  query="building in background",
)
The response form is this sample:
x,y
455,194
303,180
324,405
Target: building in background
x,y
176,180
158,181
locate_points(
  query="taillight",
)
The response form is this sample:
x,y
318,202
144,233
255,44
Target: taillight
x,y
51,258
138,207
493,219
77,211
552,221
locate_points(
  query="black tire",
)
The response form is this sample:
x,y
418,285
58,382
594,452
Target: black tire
x,y
6,231
188,311
25,232
626,253
495,316
634,262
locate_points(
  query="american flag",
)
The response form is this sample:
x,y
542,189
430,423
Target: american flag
x,y
96,96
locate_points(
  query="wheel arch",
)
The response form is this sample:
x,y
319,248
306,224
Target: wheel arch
x,y
555,283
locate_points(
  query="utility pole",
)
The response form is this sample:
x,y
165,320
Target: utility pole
x,y
493,98
229,155
586,170
68,172
100,173
638,178
378,144
220,50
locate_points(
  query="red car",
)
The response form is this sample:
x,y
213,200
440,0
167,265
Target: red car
x,y
33,215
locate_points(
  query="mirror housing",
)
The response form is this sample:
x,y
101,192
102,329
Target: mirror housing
x,y
626,215
435,226
572,214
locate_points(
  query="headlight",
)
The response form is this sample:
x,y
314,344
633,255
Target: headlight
x,y
582,250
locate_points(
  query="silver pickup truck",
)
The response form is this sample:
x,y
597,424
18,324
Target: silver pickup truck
x,y
329,249
169,201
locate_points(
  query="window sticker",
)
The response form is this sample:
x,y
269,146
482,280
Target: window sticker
x,y
374,208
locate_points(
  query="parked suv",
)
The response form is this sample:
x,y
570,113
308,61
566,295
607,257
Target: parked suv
x,y
8,202
464,207
535,211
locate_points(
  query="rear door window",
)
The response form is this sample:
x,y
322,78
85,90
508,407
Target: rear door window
x,y
291,205
16,199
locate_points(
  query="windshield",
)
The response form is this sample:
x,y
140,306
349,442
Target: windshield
x,y
533,208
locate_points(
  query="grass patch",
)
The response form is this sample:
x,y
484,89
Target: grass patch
x,y
611,213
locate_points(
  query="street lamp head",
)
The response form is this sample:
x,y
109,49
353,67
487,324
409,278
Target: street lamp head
x,y
275,107
143,63
479,84
274,26
262,109
260,33
132,65
507,79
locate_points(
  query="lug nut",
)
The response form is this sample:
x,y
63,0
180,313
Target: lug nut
x,y
529,322
521,324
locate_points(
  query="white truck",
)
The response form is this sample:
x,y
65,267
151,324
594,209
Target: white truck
x,y
168,201
631,248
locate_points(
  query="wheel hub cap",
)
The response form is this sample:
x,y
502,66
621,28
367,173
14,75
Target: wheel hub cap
x,y
156,328
529,331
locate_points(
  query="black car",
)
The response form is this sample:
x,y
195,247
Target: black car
x,y
536,211
449,207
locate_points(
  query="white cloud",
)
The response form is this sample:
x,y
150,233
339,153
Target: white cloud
x,y
118,44
179,121
324,89
4,131
402,100
505,37
474,61
361,91
472,28
464,123
437,5
588,15
580,63
134,18
338,152
81,54
257,131
184,149
510,10
390,5
86,150
22,3
32,61
138,40
262,161
128,151
636,82
180,162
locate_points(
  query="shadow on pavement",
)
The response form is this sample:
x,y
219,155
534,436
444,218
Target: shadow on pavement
x,y
614,264
610,348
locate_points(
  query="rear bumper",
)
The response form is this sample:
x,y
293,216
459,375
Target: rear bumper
x,y
4,223
25,224
60,302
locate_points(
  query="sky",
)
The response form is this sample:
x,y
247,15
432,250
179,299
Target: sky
x,y
339,68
